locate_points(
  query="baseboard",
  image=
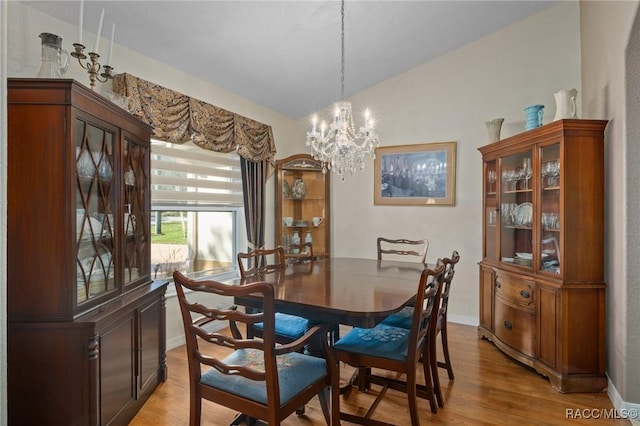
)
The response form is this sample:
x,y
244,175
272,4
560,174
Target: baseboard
x,y
461,319
625,409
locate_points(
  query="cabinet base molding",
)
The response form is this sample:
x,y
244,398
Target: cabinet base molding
x,y
563,383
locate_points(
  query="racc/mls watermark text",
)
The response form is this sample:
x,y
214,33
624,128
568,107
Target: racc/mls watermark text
x,y
601,413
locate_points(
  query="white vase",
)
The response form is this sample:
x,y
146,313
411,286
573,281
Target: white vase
x,y
308,238
493,129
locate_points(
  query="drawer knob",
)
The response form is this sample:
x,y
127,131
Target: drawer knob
x,y
508,325
525,294
498,285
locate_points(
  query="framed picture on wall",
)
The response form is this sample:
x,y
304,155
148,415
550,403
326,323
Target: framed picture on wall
x,y
415,175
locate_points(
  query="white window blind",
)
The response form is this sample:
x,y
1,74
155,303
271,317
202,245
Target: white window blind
x,y
187,175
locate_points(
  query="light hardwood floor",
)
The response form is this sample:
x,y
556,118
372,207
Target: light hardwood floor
x,y
489,389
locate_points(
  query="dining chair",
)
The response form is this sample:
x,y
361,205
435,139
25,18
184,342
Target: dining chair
x,y
263,261
397,350
402,247
256,377
403,318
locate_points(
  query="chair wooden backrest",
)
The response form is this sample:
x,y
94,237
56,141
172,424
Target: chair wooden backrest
x,y
425,313
447,278
253,363
403,247
261,261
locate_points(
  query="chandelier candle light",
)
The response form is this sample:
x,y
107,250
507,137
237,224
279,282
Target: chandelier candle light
x,y
340,147
93,66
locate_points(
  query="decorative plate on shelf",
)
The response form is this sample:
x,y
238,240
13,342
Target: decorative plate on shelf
x,y
523,215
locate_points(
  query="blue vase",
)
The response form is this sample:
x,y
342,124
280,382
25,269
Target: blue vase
x,y
533,115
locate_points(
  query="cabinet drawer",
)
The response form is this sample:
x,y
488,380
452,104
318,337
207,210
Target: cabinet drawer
x,y
521,292
515,327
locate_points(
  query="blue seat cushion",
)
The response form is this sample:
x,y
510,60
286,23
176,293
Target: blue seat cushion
x,y
382,341
400,319
288,325
296,371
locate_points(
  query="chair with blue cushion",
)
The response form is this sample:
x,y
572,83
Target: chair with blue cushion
x,y
397,350
403,318
256,377
264,261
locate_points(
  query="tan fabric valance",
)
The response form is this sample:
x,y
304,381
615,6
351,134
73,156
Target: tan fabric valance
x,y
178,118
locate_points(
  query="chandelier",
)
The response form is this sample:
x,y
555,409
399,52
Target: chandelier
x,y
339,147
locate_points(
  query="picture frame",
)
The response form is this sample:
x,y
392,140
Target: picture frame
x,y
415,175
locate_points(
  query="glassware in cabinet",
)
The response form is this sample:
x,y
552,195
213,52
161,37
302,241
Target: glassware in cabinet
x,y
95,274
135,218
491,213
550,214
516,209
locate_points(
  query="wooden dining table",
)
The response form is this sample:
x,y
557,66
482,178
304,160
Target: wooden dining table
x,y
340,290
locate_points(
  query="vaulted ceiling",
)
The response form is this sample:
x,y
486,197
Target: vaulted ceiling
x,y
285,55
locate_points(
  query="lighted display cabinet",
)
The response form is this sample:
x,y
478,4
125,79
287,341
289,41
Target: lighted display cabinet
x,y
86,324
542,290
302,205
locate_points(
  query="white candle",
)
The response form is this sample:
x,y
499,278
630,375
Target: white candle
x,y
113,31
80,21
322,127
315,122
95,49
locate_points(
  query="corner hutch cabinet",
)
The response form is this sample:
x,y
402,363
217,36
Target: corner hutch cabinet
x,y
86,324
542,290
302,205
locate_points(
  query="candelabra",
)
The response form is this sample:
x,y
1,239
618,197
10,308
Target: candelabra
x,y
92,65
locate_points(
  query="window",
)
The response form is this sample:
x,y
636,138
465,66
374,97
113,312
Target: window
x,y
197,219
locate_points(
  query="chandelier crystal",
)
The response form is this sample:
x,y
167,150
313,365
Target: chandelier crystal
x,y
339,147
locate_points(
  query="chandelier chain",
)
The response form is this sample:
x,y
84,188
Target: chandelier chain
x,y
342,51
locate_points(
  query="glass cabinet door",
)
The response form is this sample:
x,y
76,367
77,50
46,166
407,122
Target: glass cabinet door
x,y
94,211
550,209
135,222
302,205
516,209
491,210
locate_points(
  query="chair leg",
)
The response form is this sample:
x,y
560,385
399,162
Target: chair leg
x,y
195,408
324,396
335,392
445,349
412,397
433,362
426,368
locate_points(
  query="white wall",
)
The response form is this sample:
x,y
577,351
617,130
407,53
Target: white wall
x,y
449,99
610,64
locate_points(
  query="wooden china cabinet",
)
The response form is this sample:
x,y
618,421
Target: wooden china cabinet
x,y
302,205
86,324
542,289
